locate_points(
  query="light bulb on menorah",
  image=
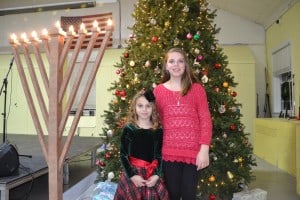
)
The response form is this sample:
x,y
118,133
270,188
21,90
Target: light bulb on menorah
x,y
55,104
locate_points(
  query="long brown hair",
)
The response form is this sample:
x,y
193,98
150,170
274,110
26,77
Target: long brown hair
x,y
187,79
132,116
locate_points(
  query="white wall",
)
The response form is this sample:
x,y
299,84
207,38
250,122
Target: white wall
x,y
234,31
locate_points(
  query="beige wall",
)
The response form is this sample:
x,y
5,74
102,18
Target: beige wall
x,y
242,65
287,30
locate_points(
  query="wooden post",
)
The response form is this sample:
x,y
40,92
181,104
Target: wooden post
x,y
56,46
55,112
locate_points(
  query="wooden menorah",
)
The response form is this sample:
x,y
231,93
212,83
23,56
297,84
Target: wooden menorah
x,y
56,45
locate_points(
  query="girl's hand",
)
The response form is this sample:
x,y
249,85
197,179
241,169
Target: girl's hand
x,y
152,180
202,159
138,181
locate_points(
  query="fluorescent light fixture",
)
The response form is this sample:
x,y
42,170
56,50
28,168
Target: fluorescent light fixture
x,y
48,7
106,1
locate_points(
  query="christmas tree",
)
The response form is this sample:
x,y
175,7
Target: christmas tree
x,y
160,25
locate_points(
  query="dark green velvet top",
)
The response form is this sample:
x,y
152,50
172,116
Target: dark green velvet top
x,y
140,143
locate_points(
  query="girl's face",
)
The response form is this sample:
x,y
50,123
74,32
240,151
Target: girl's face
x,y
143,108
175,64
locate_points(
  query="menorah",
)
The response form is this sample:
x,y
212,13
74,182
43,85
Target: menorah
x,y
56,45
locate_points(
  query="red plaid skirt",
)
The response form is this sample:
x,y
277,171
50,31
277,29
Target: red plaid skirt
x,y
126,189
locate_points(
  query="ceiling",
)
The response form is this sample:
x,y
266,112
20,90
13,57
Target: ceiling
x,y
263,12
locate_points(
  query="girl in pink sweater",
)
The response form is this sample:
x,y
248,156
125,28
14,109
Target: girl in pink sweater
x,y
187,126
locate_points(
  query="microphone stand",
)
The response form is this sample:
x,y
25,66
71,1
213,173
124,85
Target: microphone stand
x,y
4,90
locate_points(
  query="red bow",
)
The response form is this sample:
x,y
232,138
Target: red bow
x,y
150,167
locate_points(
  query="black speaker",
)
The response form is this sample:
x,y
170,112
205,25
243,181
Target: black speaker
x,y
9,159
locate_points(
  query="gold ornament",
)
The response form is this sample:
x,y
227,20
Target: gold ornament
x,y
240,159
176,41
212,178
115,101
225,84
167,24
230,175
136,79
229,90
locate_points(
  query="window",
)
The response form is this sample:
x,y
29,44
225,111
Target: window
x,y
283,99
286,91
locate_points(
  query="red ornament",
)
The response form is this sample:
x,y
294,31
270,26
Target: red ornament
x,y
232,127
212,197
107,155
189,36
117,92
154,39
217,65
118,71
100,163
234,94
126,55
122,93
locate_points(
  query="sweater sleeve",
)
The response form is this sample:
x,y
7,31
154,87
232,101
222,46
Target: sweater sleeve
x,y
125,151
204,116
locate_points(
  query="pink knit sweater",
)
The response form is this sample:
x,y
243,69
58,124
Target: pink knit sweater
x,y
186,122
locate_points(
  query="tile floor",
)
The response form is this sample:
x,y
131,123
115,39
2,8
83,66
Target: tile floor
x,y
278,184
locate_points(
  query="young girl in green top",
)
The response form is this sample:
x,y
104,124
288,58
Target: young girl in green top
x,y
140,152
